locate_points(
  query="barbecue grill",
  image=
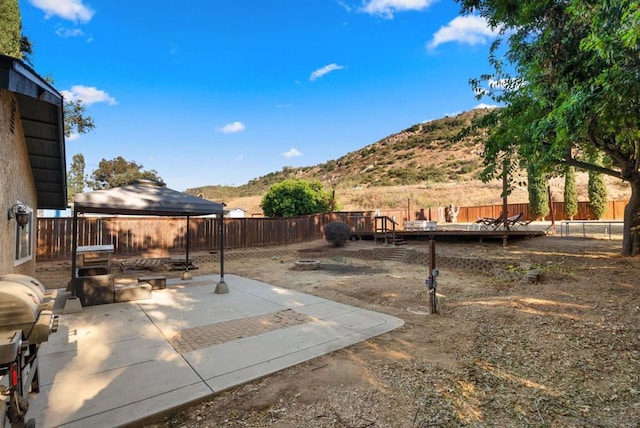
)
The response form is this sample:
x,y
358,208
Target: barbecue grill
x,y
26,321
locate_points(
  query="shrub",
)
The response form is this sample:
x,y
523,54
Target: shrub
x,y
337,233
538,197
597,190
570,193
291,198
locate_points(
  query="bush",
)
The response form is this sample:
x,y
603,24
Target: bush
x,y
291,198
337,233
597,190
570,193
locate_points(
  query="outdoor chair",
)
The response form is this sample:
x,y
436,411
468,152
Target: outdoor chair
x,y
522,224
497,223
481,223
512,222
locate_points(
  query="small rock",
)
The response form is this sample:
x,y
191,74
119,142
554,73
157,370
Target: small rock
x,y
532,275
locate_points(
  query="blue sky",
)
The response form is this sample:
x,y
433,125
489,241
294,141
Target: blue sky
x,y
211,92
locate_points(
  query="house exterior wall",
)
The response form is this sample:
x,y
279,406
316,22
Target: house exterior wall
x,y
235,213
17,184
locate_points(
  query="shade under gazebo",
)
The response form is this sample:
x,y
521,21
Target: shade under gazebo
x,y
144,198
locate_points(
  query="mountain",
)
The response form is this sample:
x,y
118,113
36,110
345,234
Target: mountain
x,y
424,166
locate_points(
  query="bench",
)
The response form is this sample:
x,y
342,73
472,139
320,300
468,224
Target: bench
x,y
128,292
94,289
157,282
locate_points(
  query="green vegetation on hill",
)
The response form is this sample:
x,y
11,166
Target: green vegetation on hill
x,y
424,153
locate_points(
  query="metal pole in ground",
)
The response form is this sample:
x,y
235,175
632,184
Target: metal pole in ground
x,y
432,284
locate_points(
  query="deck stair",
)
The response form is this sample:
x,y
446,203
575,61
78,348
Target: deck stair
x,y
397,254
385,231
396,240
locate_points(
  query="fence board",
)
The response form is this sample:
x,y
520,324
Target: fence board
x,y
161,236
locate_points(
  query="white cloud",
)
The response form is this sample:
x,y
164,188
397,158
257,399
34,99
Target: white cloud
x,y
69,32
387,8
72,10
470,29
346,6
481,92
72,137
293,153
324,70
500,85
88,95
232,128
483,106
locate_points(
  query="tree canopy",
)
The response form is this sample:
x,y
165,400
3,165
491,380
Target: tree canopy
x,y
567,73
11,24
291,198
76,179
76,120
119,172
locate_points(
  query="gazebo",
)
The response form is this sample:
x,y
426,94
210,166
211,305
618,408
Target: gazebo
x,y
147,198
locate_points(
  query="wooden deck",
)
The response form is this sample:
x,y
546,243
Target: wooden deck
x,y
444,234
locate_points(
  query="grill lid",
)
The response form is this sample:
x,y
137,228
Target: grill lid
x,y
25,306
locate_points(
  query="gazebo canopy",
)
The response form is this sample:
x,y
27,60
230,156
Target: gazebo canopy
x,y
144,198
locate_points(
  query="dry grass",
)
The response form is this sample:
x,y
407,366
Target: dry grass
x,y
468,193
502,352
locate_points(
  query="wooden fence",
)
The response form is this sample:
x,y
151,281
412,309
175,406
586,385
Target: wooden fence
x,y
615,211
163,236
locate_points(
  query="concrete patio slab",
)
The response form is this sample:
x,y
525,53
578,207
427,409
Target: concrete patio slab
x,y
113,365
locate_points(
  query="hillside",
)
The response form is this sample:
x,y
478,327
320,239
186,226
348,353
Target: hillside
x,y
422,164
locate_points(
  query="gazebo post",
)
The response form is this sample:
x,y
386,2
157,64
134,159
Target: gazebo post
x,y
73,304
186,274
221,286
74,251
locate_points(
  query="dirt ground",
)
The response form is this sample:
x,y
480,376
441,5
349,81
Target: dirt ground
x,y
502,352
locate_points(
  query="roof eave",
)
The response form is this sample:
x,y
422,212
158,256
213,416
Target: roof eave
x,y
41,113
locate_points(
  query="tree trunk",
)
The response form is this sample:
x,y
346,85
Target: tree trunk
x,y
631,234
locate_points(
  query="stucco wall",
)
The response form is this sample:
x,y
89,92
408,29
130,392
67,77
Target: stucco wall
x,y
17,183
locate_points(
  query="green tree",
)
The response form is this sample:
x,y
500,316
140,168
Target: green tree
x,y
538,197
11,24
291,198
75,118
597,190
119,172
13,43
26,48
570,193
568,74
76,179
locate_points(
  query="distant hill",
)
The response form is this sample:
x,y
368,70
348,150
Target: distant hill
x,y
423,166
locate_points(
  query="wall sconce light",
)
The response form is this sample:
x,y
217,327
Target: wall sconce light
x,y
20,213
